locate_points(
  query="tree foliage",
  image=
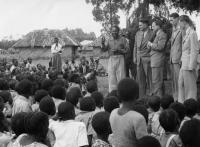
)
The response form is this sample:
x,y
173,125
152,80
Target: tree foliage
x,y
5,44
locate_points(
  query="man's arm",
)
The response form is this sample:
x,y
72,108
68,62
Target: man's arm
x,y
104,44
160,44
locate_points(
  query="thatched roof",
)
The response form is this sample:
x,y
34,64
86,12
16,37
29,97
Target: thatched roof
x,y
44,38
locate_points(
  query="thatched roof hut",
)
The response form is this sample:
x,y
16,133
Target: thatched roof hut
x,y
36,44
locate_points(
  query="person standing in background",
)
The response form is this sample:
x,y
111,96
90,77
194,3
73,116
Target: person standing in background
x,y
117,47
56,50
190,50
175,53
157,56
141,57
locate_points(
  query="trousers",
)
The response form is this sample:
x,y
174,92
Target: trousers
x,y
144,77
187,87
175,69
157,81
116,71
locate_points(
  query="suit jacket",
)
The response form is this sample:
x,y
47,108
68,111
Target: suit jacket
x,y
190,50
158,49
140,46
176,46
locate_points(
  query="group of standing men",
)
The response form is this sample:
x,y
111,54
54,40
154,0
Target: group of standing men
x,y
149,54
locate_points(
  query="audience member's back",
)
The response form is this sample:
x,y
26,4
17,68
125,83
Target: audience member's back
x,y
127,125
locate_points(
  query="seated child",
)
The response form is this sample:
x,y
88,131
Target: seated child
x,y
87,107
101,125
39,94
190,133
170,123
68,132
191,110
154,127
98,98
110,103
127,125
148,141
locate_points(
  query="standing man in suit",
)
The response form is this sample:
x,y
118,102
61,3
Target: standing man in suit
x,y
175,53
117,47
157,56
190,50
141,57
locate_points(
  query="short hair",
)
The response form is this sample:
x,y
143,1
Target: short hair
x,y
47,84
187,19
1,104
39,94
18,123
158,22
58,92
73,95
191,107
12,84
169,120
110,103
37,125
174,15
87,104
98,98
47,106
190,133
128,89
3,84
144,20
142,110
60,82
6,97
166,101
154,103
66,111
24,87
179,108
91,86
116,27
148,141
100,123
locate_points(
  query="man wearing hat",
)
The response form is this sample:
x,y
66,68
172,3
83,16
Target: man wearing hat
x,y
141,56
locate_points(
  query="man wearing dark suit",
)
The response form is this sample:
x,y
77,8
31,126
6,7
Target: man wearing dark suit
x,y
141,57
157,56
175,53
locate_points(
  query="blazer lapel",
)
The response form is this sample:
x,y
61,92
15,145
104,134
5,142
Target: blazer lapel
x,y
186,36
174,37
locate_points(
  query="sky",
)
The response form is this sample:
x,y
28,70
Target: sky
x,y
18,17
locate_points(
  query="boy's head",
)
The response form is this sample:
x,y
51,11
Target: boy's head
x,y
25,88
148,141
58,92
74,95
166,101
128,90
91,86
12,84
180,109
61,82
169,120
7,98
98,98
66,111
4,84
47,106
154,103
100,123
47,84
191,107
87,104
1,104
190,133
18,123
39,94
110,103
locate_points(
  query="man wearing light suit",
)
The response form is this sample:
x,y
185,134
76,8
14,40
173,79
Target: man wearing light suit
x,y
141,57
157,56
175,53
190,50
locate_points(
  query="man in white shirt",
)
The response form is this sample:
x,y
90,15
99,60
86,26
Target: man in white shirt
x,y
56,50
